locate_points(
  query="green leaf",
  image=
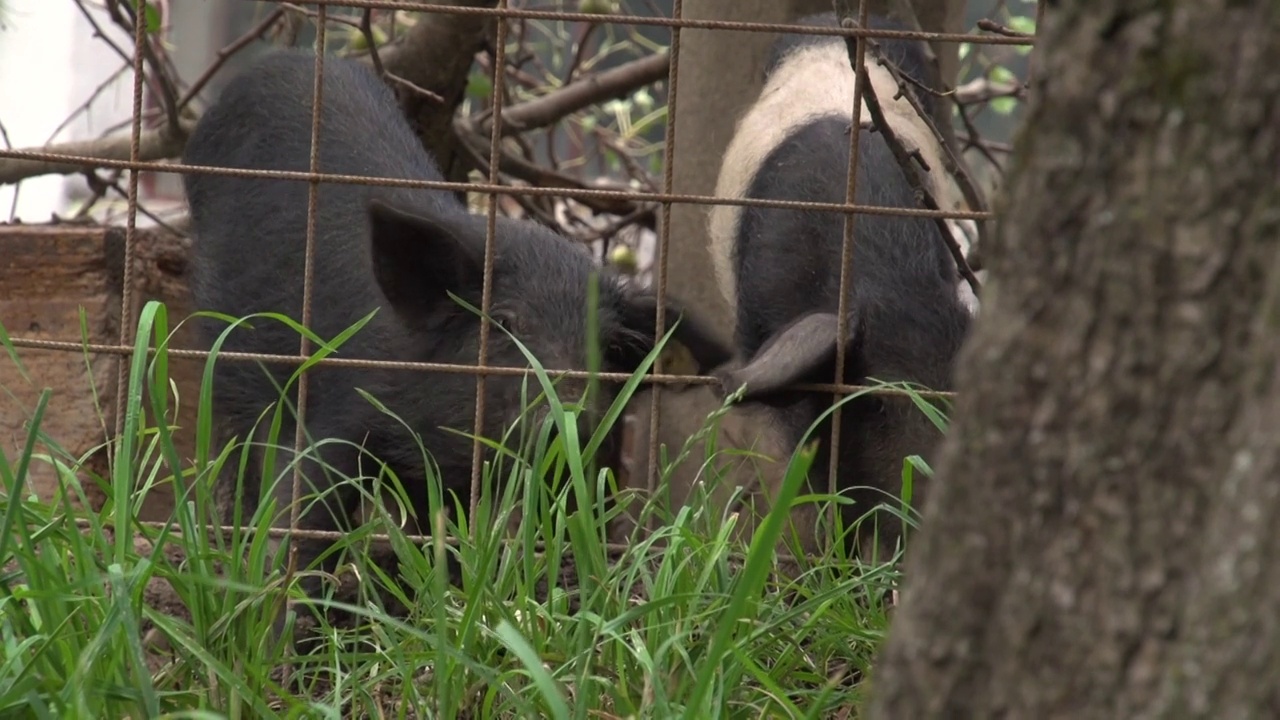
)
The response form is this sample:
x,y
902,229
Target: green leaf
x,y
533,665
1002,74
479,86
150,14
1023,24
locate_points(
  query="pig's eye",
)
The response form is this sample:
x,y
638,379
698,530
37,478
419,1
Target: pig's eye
x,y
504,318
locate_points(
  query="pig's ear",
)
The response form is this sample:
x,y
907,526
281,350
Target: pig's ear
x,y
691,333
418,260
797,353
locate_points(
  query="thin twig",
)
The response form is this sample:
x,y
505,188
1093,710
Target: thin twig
x,y
592,90
366,27
526,79
99,33
226,53
312,15
157,84
115,185
531,207
534,113
910,170
168,94
471,136
994,27
435,97
984,90
579,52
634,169
968,187
974,139
99,189
954,167
84,106
642,216
994,146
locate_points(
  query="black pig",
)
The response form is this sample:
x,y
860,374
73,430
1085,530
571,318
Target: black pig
x,y
779,269
397,250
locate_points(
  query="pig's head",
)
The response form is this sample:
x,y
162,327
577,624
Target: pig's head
x,y
877,431
541,286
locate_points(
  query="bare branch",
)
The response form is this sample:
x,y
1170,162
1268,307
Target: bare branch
x,y
366,28
554,106
643,216
954,166
410,62
157,144
578,94
974,139
100,186
909,168
994,27
227,52
476,143
938,122
286,33
84,106
983,90
434,58
637,173
434,97
164,83
99,33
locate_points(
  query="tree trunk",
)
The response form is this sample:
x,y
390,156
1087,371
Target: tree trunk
x,y
436,55
1101,537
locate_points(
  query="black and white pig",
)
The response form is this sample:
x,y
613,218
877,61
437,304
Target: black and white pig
x,y
779,269
400,251
752,448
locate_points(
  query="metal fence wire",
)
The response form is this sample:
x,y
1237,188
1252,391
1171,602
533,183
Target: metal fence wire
x,y
665,199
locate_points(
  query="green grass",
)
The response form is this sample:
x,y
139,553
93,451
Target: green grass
x,y
686,622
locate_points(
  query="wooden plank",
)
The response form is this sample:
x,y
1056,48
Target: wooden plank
x,y
49,275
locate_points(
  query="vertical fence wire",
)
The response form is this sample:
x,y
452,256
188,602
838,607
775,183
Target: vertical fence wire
x,y
664,243
860,80
308,272
127,320
491,231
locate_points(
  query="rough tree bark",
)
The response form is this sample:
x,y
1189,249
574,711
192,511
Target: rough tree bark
x,y
720,73
1100,540
437,55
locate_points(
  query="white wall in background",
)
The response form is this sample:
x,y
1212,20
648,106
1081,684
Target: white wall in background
x,y
50,64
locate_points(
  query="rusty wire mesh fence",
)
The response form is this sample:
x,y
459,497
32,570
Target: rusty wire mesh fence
x,y
664,198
